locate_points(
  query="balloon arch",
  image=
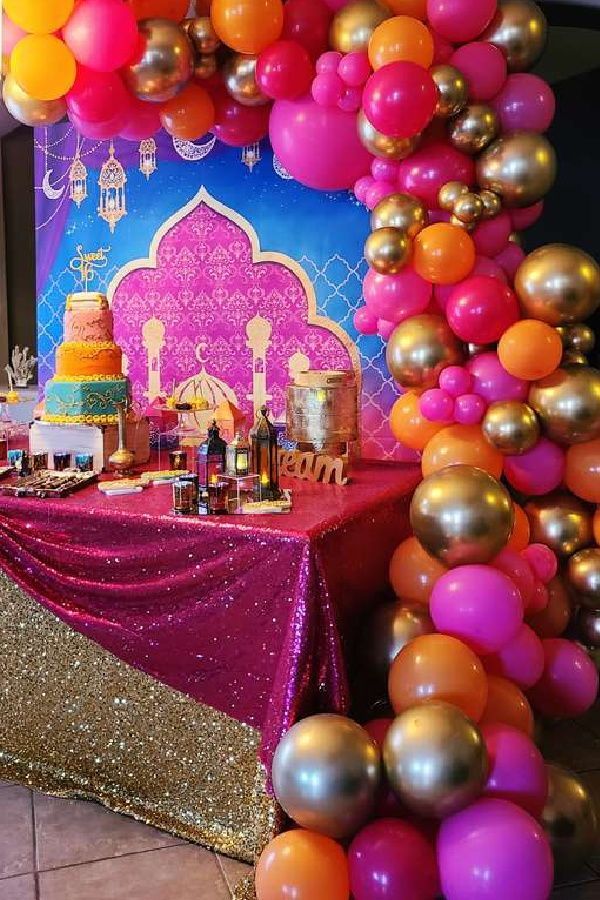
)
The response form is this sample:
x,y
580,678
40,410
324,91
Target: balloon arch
x,y
427,111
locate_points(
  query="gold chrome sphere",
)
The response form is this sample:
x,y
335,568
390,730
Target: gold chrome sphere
x,y
474,128
387,250
568,404
419,348
560,521
519,167
519,29
558,284
453,90
511,427
402,211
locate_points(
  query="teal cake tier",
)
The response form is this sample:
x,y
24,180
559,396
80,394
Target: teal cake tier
x,y
91,400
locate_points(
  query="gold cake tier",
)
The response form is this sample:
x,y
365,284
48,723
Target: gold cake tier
x,y
81,358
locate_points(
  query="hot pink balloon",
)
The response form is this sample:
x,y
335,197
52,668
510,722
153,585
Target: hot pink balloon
x,y
327,89
569,684
307,22
516,567
400,99
143,121
526,217
521,661
365,321
385,329
11,35
491,235
460,20
102,34
442,49
539,598
479,605
493,382
328,62
543,561
510,259
480,309
455,380
430,167
517,769
336,4
320,147
354,69
526,102
396,297
391,860
437,405
284,70
483,266
99,131
494,850
97,96
362,187
378,191
385,170
469,409
537,471
484,67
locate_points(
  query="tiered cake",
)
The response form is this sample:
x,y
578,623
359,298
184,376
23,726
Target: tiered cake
x,y
88,382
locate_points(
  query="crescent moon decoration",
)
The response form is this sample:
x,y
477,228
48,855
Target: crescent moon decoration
x,y
193,152
279,170
50,192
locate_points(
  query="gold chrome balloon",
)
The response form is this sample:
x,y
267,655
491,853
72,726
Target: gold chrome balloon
x,y
492,204
435,759
569,819
326,772
519,29
388,630
577,338
511,427
205,66
583,573
201,33
560,521
381,145
461,515
474,128
519,167
27,110
587,627
558,284
568,404
353,25
401,211
240,80
387,250
164,64
453,90
468,209
418,349
449,194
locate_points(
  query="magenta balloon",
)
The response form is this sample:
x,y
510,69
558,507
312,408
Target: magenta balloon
x,y
392,860
469,409
543,561
378,191
365,321
524,218
362,187
355,69
97,96
483,266
328,62
307,22
385,170
396,297
327,89
284,70
493,382
517,769
102,34
484,67
430,167
491,235
460,20
378,729
516,567
143,121
442,49
456,380
525,103
479,605
437,405
237,125
99,131
400,99
494,850
537,471
569,684
539,599
320,147
385,329
510,258
521,661
336,4
481,308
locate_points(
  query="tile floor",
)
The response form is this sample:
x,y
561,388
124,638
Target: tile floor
x,y
53,849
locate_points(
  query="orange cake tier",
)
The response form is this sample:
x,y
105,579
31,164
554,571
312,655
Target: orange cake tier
x,y
83,358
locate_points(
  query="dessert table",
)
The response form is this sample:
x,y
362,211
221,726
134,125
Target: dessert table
x,y
152,662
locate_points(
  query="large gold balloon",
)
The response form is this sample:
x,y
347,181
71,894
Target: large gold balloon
x,y
401,211
560,521
511,427
387,250
381,145
583,573
462,515
203,36
389,629
240,80
353,25
558,284
435,759
519,167
568,404
164,64
569,819
587,627
326,772
474,128
418,349
519,28
453,90
27,110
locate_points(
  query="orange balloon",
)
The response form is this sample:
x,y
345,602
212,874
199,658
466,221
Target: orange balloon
x,y
530,349
247,26
43,66
39,16
552,621
507,705
190,114
415,8
401,38
597,526
302,865
519,538
413,572
438,667
461,445
408,425
176,10
443,253
582,473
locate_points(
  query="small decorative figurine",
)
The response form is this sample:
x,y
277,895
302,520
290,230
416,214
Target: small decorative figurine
x,y
20,372
122,460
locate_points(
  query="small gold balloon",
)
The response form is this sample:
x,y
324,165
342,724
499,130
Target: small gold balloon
x,y
401,211
240,80
519,167
449,194
577,338
474,128
435,759
453,90
571,358
583,572
560,521
466,226
389,629
462,515
511,427
492,204
27,110
569,819
587,627
519,29
558,284
419,348
469,208
387,250
202,34
568,404
354,24
164,64
205,67
381,145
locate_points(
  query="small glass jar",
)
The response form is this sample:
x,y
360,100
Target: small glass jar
x,y
20,461
218,498
184,497
39,462
178,461
84,462
62,461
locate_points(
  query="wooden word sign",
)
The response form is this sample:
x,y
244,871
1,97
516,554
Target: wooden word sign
x,y
313,466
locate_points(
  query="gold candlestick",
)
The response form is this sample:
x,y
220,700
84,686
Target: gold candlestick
x,y
122,460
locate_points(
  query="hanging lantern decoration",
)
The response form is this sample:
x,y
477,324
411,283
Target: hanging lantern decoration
x,y
265,458
251,155
112,181
148,157
211,458
77,181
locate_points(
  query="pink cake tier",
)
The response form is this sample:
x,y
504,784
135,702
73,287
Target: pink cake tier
x,y
88,325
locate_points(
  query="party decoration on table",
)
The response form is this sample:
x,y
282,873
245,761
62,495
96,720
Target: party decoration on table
x,y
313,466
21,368
570,820
123,459
322,412
44,484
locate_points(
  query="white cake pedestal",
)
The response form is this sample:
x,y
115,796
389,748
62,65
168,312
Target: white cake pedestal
x,y
99,440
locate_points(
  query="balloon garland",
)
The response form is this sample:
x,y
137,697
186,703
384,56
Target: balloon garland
x,y
426,110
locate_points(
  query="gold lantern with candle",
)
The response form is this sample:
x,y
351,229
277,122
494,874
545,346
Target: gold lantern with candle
x,y
265,456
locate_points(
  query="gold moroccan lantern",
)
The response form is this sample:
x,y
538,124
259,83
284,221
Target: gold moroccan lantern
x,y
148,157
